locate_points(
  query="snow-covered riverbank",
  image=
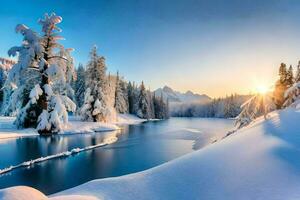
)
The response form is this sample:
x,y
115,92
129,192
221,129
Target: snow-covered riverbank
x,y
260,161
9,130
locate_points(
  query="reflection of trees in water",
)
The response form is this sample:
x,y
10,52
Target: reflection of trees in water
x,y
28,148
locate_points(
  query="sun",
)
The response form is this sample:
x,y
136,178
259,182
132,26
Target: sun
x,y
262,89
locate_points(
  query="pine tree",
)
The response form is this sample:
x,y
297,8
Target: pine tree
x,y
131,98
256,106
151,104
79,85
297,76
280,86
161,109
289,77
40,67
230,107
292,94
96,107
121,98
143,104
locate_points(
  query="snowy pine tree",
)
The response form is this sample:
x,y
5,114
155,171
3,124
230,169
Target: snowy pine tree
x,y
292,96
40,68
131,98
79,85
151,104
230,107
161,108
297,76
143,104
121,95
256,106
289,77
280,86
96,103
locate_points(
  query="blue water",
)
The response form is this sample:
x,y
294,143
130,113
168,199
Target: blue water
x,y
139,147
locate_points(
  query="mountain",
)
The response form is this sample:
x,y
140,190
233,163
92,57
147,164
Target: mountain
x,y
181,98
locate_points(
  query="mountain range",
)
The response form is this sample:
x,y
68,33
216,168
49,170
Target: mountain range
x,y
180,97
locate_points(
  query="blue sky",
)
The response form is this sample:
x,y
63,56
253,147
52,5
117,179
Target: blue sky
x,y
215,47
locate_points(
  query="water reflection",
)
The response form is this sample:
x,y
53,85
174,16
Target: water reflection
x,y
139,147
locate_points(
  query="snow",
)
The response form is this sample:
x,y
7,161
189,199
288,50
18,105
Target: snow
x,y
21,193
74,197
260,161
129,119
178,97
48,90
35,93
75,125
25,193
108,140
9,130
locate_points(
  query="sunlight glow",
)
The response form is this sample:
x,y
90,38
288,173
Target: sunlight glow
x,y
262,89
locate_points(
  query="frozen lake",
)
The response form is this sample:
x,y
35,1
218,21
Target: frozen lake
x,y
139,147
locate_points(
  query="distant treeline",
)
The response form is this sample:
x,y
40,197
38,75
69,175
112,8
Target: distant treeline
x,y
227,107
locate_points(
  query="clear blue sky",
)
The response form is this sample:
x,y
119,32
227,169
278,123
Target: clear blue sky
x,y
214,46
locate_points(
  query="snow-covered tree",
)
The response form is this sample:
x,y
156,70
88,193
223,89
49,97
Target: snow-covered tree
x,y
96,105
280,86
133,98
230,107
121,95
161,108
41,66
143,104
297,76
151,104
292,96
79,85
5,66
289,77
130,95
256,106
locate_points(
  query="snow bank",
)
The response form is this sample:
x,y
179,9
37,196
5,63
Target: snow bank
x,y
9,130
129,119
74,197
75,125
27,193
21,193
260,161
257,162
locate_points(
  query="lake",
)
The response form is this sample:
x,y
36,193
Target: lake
x,y
139,147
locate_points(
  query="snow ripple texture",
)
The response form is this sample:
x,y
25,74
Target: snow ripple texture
x,y
106,141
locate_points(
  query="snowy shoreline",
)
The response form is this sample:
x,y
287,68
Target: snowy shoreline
x,y
75,126
250,160
257,162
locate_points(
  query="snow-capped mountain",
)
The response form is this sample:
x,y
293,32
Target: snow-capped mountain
x,y
179,97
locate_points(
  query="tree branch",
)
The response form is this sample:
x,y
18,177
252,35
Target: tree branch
x,y
58,57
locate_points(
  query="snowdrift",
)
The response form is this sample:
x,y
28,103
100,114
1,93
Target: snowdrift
x,y
75,125
260,161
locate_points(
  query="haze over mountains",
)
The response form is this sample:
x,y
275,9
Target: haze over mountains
x,y
176,97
